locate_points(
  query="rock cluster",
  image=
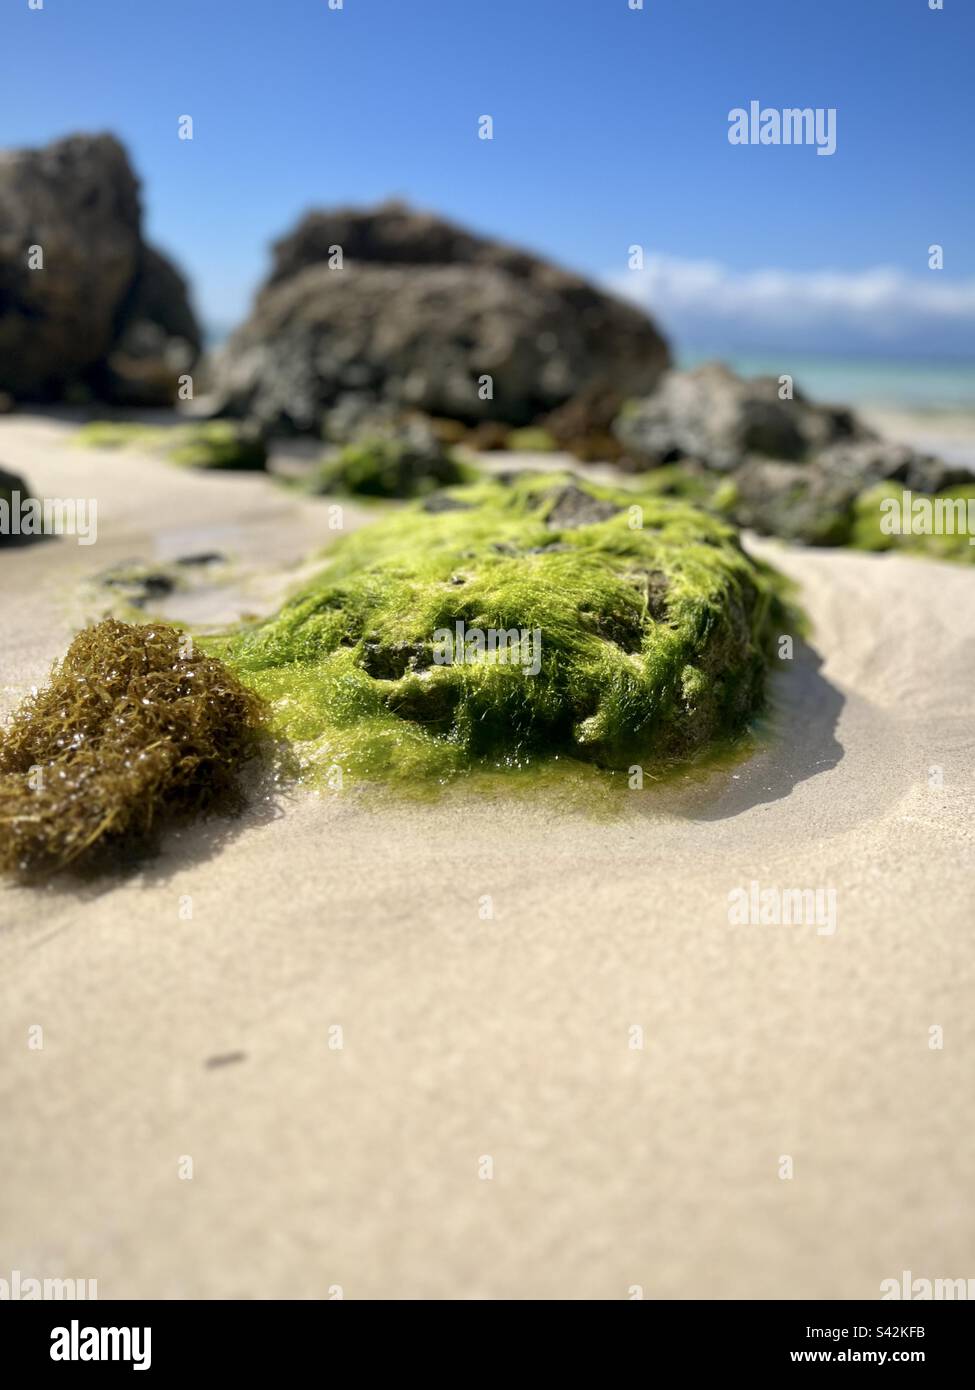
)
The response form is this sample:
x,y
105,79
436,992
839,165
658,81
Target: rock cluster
x,y
791,468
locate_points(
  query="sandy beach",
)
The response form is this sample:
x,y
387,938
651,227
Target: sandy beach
x,y
362,1167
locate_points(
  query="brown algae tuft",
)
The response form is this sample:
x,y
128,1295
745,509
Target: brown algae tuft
x,y
510,626
135,731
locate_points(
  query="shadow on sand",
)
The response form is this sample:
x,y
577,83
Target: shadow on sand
x,y
796,740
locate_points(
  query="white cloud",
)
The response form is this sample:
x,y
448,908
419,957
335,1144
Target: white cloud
x,y
834,310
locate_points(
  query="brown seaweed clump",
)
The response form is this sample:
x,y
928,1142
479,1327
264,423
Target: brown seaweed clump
x,y
135,731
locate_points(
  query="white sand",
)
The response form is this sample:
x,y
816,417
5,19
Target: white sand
x,y
316,1167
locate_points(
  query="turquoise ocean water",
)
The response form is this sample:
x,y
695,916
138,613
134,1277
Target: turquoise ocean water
x,y
925,387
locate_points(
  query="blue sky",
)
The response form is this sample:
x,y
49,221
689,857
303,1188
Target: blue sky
x,y
610,129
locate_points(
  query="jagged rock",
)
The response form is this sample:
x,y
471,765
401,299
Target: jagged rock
x,y
871,461
71,326
713,415
418,313
815,501
573,506
794,501
793,469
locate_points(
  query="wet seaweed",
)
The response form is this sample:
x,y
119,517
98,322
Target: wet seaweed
x,y
654,633
136,731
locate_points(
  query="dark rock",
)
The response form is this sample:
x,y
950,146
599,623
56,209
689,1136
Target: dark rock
x,y
11,483
160,296
573,507
356,416
654,587
424,697
159,338
206,557
794,468
442,502
712,415
390,661
420,311
873,461
814,502
138,583
73,328
794,501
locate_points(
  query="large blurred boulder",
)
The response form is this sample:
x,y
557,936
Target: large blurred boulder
x,y
158,337
716,417
101,292
417,313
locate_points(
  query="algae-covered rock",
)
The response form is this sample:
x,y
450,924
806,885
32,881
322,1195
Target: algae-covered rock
x,y
217,444
549,619
405,465
136,730
118,434
786,467
531,440
794,501
940,526
220,444
818,502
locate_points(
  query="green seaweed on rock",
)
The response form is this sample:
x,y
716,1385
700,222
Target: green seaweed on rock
x,y
653,630
395,467
205,444
941,520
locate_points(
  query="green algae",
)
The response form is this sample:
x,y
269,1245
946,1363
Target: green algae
x,y
674,480
651,627
219,444
114,434
956,503
207,444
531,439
394,467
